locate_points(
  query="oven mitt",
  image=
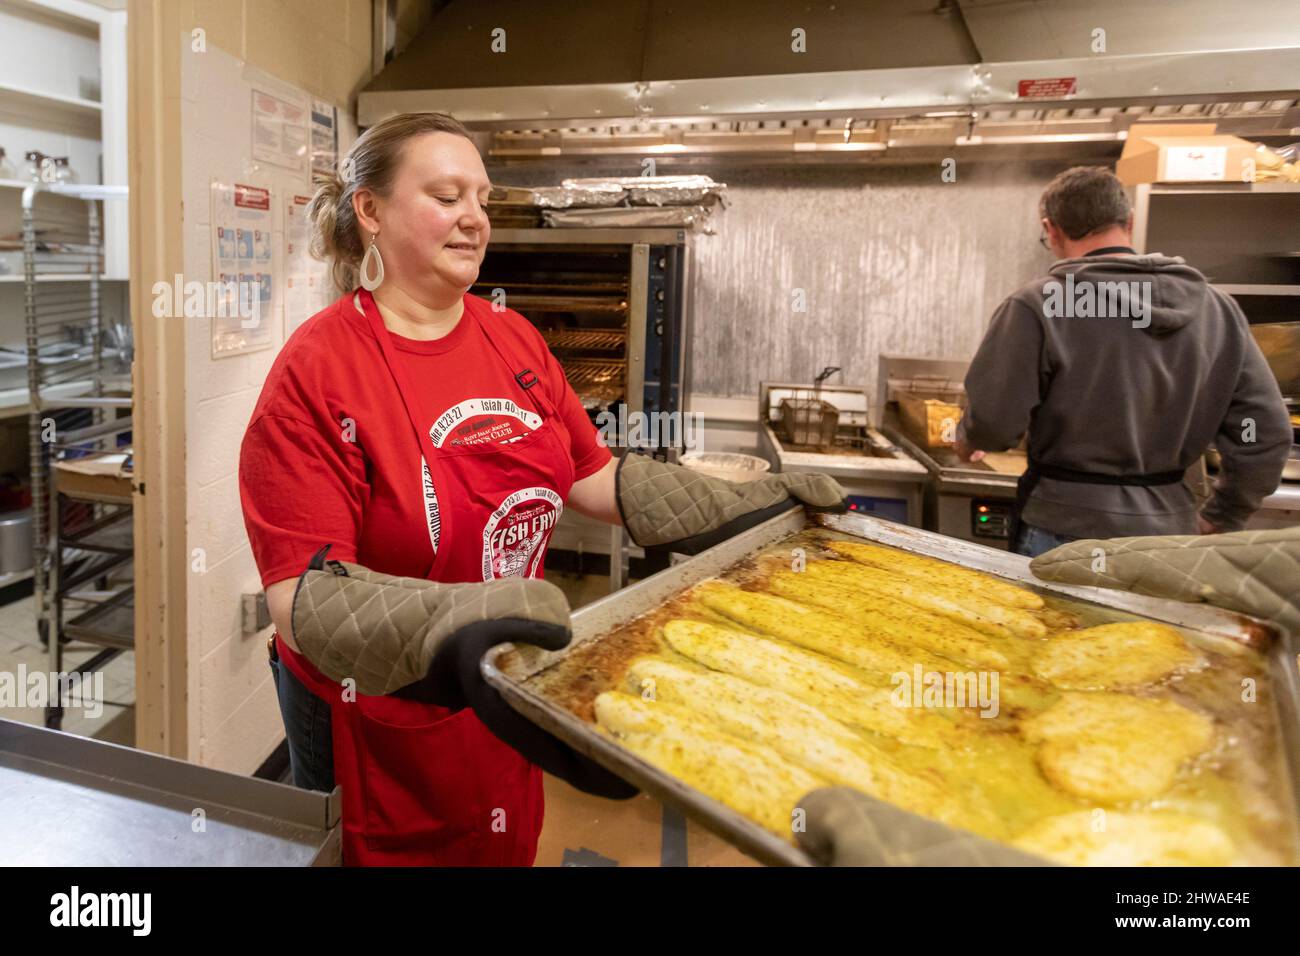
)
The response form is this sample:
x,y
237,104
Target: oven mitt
x,y
1254,572
845,827
662,503
425,640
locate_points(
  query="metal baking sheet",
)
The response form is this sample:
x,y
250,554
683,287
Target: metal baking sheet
x,y
507,668
74,801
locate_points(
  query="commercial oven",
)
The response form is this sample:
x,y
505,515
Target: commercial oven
x,y
612,305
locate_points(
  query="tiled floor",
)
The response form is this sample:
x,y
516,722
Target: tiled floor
x,y
19,644
580,589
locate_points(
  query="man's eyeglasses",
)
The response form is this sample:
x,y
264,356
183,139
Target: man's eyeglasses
x,y
1042,241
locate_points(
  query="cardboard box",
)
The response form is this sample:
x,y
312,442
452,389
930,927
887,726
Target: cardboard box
x,y
105,477
1184,153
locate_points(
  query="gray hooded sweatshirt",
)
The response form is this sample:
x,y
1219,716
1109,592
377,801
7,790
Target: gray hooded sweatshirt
x,y
1128,379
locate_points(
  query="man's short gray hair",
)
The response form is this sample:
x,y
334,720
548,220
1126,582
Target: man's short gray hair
x,y
1084,199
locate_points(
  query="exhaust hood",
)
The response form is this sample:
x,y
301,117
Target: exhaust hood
x,y
850,79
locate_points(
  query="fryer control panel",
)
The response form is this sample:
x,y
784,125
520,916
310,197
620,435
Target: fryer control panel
x,y
990,518
891,509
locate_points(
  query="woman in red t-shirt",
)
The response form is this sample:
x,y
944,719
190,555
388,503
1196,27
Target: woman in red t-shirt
x,y
421,435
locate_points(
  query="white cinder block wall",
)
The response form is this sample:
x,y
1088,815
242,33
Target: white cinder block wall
x,y
234,721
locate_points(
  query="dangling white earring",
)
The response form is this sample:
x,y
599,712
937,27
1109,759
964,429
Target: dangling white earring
x,y
368,283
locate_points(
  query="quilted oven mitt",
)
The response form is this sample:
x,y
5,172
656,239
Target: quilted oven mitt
x,y
845,827
663,503
425,640
1254,572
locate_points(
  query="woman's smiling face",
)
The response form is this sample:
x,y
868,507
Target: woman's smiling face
x,y
433,225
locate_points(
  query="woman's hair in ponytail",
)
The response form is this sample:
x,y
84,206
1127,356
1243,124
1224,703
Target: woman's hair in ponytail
x,y
370,164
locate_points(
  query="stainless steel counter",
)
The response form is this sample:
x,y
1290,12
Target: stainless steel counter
x,y
74,801
1281,509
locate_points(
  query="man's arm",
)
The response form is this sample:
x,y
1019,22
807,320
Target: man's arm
x,y
1002,382
1253,443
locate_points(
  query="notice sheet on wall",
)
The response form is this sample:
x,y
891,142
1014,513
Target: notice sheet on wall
x,y
324,137
241,299
307,284
280,130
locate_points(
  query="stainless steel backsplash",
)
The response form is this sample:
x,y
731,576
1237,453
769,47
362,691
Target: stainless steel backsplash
x,y
889,260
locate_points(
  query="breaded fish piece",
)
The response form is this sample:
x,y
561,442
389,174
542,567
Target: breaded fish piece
x,y
833,635
1113,748
1128,839
833,688
1128,654
889,617
1057,619
967,608
798,731
750,778
938,573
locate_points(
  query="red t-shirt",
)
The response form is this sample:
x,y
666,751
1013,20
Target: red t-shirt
x,y
331,455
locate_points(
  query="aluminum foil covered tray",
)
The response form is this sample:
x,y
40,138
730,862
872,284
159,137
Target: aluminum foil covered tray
x,y
574,194
635,216
658,190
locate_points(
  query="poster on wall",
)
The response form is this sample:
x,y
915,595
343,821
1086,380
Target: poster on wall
x,y
280,129
324,137
242,296
307,287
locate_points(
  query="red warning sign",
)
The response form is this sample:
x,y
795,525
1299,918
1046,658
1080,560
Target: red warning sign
x,y
252,197
1054,88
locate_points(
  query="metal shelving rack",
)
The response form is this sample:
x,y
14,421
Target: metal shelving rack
x,y
76,405
1245,237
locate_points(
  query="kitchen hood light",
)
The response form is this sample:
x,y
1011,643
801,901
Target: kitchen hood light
x,y
979,140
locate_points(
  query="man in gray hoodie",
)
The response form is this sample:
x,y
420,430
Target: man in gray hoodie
x,y
1124,369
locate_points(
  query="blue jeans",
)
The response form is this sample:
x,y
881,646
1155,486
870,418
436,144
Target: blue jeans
x,y
1033,541
307,729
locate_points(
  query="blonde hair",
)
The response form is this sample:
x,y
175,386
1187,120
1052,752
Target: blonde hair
x,y
370,164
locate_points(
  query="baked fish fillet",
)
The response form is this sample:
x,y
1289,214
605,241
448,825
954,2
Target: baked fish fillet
x,y
851,642
974,610
1128,654
831,687
750,778
1114,748
885,614
938,573
1128,839
798,731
